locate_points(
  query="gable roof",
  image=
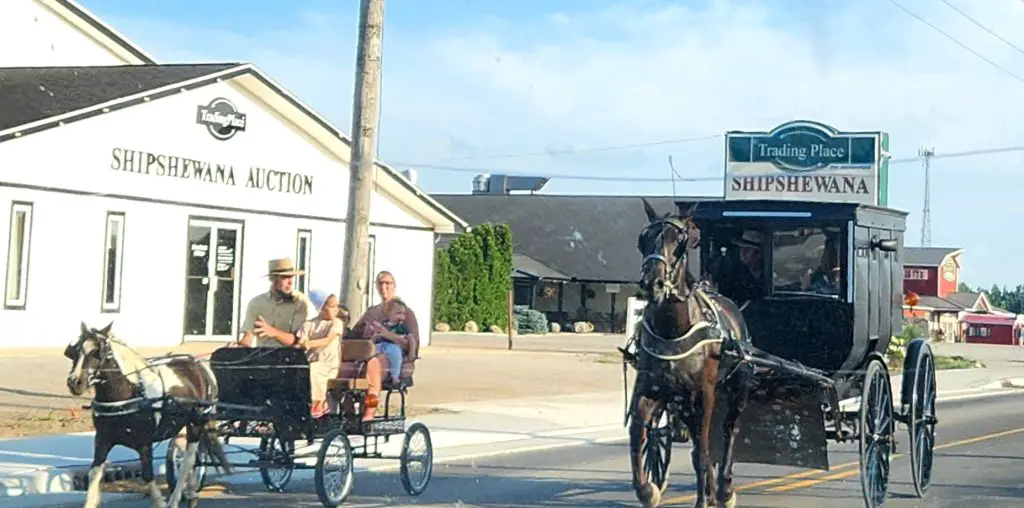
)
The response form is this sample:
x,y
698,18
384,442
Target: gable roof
x,y
93,27
928,256
531,268
589,238
32,94
42,98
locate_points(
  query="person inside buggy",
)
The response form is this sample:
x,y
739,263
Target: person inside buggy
x,y
804,260
362,359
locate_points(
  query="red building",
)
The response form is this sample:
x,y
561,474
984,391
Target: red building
x,y
933,273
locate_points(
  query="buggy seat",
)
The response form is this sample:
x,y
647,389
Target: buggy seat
x,y
361,366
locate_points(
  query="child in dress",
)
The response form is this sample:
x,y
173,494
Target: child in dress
x,y
394,309
321,339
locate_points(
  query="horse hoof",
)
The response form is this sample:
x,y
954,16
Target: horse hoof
x,y
649,496
731,502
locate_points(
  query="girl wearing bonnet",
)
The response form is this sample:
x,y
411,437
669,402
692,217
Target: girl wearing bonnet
x,y
321,339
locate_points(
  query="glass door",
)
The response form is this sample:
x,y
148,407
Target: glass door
x,y
211,310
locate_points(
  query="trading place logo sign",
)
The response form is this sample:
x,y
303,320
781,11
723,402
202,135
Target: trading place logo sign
x,y
807,161
221,118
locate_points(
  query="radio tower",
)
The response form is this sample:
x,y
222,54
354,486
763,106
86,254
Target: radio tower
x,y
926,214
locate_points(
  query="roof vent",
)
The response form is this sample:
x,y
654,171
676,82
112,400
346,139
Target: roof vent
x,y
506,184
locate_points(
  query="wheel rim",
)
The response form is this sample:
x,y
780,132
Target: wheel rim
x,y
656,450
337,469
277,451
418,458
923,413
875,435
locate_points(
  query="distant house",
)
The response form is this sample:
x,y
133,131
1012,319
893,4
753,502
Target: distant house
x,y
933,273
574,257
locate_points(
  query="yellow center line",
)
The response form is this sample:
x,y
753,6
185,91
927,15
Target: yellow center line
x,y
801,481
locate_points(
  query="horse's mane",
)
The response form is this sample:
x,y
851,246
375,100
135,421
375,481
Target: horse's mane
x,y
132,364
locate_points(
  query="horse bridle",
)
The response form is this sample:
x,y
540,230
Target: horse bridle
x,y
671,275
106,353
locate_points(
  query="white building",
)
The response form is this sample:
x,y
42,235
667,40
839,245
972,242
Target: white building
x,y
153,196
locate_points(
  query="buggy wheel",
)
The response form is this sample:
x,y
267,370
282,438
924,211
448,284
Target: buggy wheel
x,y
921,420
172,464
417,460
281,453
876,433
657,449
334,473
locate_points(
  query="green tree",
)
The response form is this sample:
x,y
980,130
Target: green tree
x,y
467,263
444,289
963,288
473,276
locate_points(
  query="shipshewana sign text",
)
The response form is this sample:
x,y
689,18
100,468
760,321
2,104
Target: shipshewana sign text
x,y
807,161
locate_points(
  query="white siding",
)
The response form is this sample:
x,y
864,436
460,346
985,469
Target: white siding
x,y
66,172
33,36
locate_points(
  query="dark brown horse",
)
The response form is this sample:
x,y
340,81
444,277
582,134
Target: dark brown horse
x,y
684,368
139,402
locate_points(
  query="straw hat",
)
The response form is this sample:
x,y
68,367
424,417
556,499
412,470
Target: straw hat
x,y
750,238
282,267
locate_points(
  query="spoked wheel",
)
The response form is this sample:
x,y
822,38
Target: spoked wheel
x,y
334,473
417,461
657,449
921,420
172,464
876,433
282,454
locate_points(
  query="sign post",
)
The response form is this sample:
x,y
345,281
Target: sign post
x,y
807,161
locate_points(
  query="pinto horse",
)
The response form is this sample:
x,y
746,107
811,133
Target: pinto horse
x,y
139,402
682,362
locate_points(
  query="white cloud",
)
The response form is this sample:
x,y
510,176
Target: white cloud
x,y
650,70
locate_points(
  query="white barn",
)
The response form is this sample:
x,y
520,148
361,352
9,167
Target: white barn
x,y
153,195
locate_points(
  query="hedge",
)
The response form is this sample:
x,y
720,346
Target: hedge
x,y
472,278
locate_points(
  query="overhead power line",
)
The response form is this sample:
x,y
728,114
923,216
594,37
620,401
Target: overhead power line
x,y
957,41
567,151
717,178
981,26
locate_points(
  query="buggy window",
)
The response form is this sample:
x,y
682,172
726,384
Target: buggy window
x,y
807,260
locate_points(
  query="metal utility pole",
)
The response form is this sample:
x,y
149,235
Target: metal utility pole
x,y
365,111
926,214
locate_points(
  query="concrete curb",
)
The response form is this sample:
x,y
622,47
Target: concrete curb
x,y
1012,382
61,500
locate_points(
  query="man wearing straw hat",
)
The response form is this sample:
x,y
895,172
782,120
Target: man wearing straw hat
x,y
275,318
744,281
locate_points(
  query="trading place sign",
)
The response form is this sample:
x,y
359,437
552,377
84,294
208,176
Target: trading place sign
x,y
807,161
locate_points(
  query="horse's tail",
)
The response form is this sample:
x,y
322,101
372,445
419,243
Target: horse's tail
x,y
209,437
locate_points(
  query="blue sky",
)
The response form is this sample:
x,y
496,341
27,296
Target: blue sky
x,y
467,81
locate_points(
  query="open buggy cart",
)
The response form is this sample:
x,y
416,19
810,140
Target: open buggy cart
x,y
818,350
265,394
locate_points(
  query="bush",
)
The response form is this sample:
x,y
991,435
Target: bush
x,y
528,320
897,349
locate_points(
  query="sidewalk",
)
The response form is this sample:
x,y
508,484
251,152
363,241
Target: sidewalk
x,y
51,464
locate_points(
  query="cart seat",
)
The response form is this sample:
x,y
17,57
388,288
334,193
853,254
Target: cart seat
x,y
358,355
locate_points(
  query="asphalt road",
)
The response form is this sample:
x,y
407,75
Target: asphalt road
x,y
979,463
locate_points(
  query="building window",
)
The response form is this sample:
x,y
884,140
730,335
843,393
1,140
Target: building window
x,y
915,274
303,255
113,257
371,260
17,254
979,331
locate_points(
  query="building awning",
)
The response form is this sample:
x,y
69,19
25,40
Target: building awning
x,y
988,319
